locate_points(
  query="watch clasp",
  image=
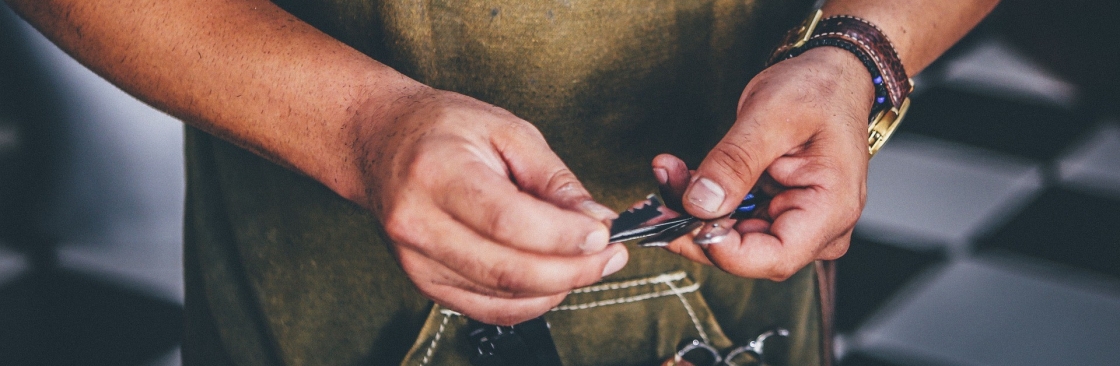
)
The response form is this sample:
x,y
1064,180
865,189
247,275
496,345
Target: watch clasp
x,y
805,30
883,126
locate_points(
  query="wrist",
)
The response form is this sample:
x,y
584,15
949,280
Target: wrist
x,y
846,70
378,107
874,50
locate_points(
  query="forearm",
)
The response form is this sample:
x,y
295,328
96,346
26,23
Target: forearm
x,y
243,70
920,30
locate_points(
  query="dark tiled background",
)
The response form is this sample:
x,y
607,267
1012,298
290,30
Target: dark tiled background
x,y
991,235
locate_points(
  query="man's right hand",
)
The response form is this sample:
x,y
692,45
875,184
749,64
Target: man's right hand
x,y
483,217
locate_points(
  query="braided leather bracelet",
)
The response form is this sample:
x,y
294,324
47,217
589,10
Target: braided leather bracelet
x,y
868,43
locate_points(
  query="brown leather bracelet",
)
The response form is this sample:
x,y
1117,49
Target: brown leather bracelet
x,y
871,46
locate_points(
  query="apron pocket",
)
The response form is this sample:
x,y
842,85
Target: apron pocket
x,y
631,322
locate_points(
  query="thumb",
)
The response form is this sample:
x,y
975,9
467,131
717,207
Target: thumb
x,y
731,169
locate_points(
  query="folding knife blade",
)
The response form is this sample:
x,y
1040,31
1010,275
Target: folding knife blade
x,y
663,237
628,224
634,217
650,230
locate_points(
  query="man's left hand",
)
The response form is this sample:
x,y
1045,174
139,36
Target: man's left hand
x,y
801,135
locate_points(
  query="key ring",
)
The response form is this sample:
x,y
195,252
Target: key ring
x,y
694,352
756,349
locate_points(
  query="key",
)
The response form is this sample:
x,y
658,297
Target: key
x,y
628,224
634,217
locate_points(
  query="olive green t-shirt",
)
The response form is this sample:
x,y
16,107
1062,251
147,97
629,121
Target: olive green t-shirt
x,y
281,271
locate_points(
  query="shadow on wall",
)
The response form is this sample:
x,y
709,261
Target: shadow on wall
x,y
1073,38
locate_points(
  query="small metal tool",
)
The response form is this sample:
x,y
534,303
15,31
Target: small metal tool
x,y
695,352
628,225
771,348
635,217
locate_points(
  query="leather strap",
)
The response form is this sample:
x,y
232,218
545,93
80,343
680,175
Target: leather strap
x,y
863,39
871,40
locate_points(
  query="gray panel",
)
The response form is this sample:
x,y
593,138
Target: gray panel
x,y
988,312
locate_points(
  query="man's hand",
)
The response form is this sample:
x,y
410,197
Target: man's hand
x,y
484,218
801,135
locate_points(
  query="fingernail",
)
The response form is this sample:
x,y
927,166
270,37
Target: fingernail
x,y
706,194
713,232
615,264
598,211
662,175
595,241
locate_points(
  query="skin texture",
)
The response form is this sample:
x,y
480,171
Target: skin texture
x,y
398,148
801,135
824,164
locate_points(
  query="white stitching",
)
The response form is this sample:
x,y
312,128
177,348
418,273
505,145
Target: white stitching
x,y
691,314
861,20
665,278
623,300
662,278
435,340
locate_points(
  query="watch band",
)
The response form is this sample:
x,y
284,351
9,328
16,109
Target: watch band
x,y
868,43
882,93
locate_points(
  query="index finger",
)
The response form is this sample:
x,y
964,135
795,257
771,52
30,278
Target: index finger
x,y
802,227
495,208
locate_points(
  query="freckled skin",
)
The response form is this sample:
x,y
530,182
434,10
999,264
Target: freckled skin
x,y
397,147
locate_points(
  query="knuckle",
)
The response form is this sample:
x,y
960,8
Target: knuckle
x,y
502,225
525,129
834,252
735,161
560,178
562,183
505,277
780,274
518,131
399,227
782,270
